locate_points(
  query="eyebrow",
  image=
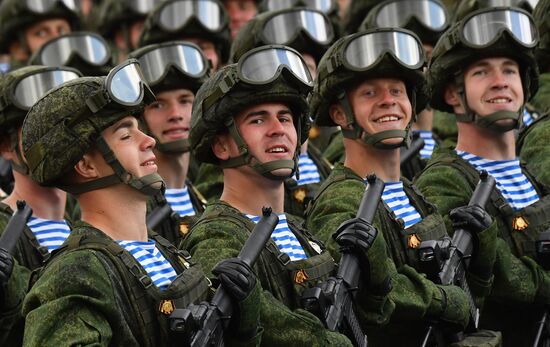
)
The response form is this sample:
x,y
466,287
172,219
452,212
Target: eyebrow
x,y
125,124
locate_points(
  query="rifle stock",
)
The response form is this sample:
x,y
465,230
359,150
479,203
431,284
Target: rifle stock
x,y
15,226
204,324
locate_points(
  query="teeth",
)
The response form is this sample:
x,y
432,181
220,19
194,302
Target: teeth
x,y
387,119
499,101
276,150
149,163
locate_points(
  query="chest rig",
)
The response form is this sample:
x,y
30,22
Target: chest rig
x,y
520,229
150,306
283,278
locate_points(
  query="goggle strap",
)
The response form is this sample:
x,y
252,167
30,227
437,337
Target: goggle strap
x,y
97,101
223,88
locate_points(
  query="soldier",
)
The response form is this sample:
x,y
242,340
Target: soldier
x,y
373,97
174,71
250,119
47,229
484,70
112,282
26,25
204,23
240,12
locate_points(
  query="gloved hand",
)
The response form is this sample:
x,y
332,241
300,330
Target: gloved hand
x,y
360,237
239,281
6,268
472,218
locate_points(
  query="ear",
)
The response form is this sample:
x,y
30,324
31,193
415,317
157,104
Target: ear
x,y
220,147
451,96
17,51
338,115
87,167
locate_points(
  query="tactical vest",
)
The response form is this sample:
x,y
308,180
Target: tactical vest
x,y
520,229
151,307
175,228
402,243
28,251
283,278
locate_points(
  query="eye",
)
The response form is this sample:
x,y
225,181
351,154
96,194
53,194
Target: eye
x,y
41,33
397,91
479,72
125,136
155,105
186,101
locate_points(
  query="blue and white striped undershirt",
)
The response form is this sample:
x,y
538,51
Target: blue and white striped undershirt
x,y
528,118
49,233
429,143
180,201
151,259
285,238
510,181
308,170
394,196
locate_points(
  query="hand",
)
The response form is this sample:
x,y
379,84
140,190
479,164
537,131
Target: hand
x,y
355,235
236,277
472,218
6,267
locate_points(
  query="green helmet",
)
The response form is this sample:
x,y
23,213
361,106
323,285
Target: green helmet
x,y
154,31
168,66
67,123
252,34
15,16
452,55
336,75
225,94
426,18
115,14
465,7
541,15
356,13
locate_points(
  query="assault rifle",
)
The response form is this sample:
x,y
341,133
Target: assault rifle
x,y
446,261
15,226
333,304
543,257
407,154
155,217
204,324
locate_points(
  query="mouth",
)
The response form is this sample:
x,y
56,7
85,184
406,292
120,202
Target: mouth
x,y
277,149
149,162
387,118
499,100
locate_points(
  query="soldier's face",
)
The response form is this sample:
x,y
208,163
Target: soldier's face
x,y
169,116
381,104
240,12
492,85
132,148
39,33
268,131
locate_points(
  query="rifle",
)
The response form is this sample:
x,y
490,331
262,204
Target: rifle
x,y
204,324
334,304
542,246
155,217
450,258
407,153
15,226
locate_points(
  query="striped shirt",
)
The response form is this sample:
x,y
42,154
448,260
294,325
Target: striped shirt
x,y
151,259
49,233
510,181
285,238
308,170
180,201
429,143
394,196
528,118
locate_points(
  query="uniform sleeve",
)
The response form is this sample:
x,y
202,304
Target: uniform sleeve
x,y
535,151
209,181
214,241
70,304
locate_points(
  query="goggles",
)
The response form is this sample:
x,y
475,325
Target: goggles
x,y
91,47
365,50
397,14
34,85
481,29
285,27
174,15
324,6
185,56
528,5
263,65
126,85
142,6
44,6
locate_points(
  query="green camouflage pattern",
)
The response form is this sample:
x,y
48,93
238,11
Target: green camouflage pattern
x,y
210,181
221,238
465,7
533,149
541,100
520,286
335,152
416,299
541,15
58,148
444,126
112,15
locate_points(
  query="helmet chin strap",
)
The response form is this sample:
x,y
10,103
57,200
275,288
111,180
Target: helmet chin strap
x,y
173,147
21,166
264,169
375,140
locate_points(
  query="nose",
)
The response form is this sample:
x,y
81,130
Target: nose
x,y
175,113
500,80
276,127
148,142
387,98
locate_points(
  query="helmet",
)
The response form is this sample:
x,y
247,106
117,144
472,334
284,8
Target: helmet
x,y
356,13
465,7
394,53
541,15
16,15
113,14
169,66
305,30
234,88
208,21
454,52
426,18
68,121
19,90
86,51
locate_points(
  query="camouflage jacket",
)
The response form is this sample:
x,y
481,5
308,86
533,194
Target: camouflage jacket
x,y
444,127
532,148
416,299
520,284
541,100
221,232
